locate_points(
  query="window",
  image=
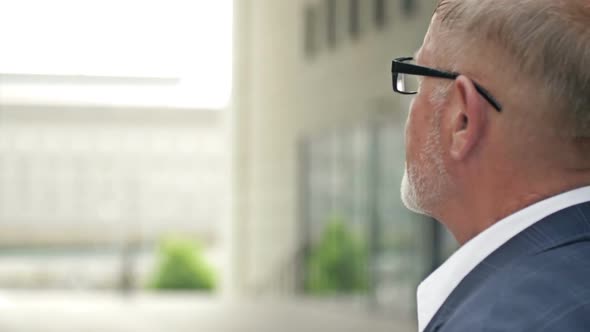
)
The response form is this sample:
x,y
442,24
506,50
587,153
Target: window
x,y
408,6
331,22
310,23
380,13
354,18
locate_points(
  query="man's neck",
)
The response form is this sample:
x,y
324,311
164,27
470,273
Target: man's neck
x,y
468,217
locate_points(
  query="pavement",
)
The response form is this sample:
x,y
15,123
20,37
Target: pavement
x,y
76,311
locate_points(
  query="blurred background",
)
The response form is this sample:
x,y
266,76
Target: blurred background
x,y
208,165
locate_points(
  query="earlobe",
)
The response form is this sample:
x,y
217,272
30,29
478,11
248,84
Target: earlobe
x,y
468,119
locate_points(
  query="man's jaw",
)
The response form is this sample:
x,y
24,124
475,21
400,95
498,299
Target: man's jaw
x,y
409,193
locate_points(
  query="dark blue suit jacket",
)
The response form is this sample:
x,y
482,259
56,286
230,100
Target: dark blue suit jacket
x,y
539,281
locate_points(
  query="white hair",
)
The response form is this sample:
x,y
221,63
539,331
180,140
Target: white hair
x,y
546,41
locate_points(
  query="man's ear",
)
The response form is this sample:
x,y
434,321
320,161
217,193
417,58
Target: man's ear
x,y
468,118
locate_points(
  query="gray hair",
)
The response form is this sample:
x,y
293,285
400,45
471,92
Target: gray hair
x,y
548,41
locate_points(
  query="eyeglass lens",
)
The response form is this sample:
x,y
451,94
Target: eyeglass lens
x,y
407,83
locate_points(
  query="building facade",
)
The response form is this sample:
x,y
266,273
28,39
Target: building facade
x,y
317,132
89,175
87,184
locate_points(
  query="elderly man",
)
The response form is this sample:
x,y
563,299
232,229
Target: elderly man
x,y
498,150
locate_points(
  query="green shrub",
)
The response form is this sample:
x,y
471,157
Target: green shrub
x,y
181,266
338,264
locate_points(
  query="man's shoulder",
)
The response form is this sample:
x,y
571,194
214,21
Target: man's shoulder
x,y
545,291
566,261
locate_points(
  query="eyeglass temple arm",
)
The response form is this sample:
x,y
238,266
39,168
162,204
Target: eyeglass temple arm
x,y
488,96
412,69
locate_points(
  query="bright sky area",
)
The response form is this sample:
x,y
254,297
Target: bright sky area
x,y
186,39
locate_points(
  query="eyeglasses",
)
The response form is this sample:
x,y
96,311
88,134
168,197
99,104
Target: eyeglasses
x,y
403,75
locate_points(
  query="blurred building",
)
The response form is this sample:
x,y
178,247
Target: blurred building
x,y
318,135
85,166
72,175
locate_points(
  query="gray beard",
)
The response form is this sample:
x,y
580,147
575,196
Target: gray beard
x,y
424,183
422,187
410,195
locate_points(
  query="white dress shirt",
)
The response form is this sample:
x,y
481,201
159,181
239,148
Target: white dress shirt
x,y
435,289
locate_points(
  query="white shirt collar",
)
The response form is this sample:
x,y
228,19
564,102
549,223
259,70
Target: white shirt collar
x,y
435,289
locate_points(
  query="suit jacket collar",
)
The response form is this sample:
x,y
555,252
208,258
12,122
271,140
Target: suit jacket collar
x,y
563,227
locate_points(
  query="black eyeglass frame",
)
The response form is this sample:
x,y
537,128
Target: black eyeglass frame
x,y
400,66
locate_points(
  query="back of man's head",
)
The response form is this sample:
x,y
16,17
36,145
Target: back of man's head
x,y
540,51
